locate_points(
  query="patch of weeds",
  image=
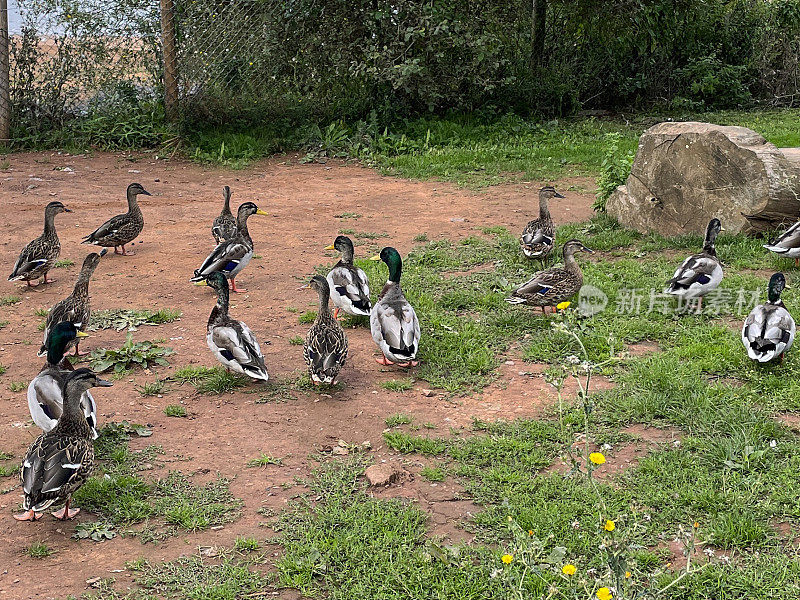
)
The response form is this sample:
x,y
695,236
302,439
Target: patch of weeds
x,y
8,471
17,386
246,544
192,507
407,444
264,460
63,263
130,319
2,369
292,309
97,531
4,323
130,354
398,419
421,237
38,550
429,426
153,388
398,385
175,410
307,317
347,231
433,473
257,257
348,215
41,312
296,341
9,300
6,455
210,380
368,235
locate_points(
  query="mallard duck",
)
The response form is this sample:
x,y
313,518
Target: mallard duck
x,y
554,285
38,257
538,237
122,229
74,308
769,329
700,273
45,399
787,244
231,341
231,256
349,286
325,349
394,324
60,460
224,227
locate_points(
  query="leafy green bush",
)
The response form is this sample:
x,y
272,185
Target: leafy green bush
x,y
614,170
131,353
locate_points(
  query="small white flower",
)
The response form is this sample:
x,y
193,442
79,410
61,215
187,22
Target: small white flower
x,y
725,560
773,443
573,360
606,447
576,525
647,517
676,443
709,552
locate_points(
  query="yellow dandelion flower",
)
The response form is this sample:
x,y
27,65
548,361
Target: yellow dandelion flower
x,y
627,574
530,531
696,524
597,458
568,569
507,558
604,594
510,518
563,305
610,525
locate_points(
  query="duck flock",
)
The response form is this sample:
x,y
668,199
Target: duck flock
x,y
60,460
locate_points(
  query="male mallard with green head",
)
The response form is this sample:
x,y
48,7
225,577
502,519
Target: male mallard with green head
x,y
349,286
231,341
231,256
325,348
60,460
122,229
700,273
769,329
393,322
75,308
39,256
538,237
45,395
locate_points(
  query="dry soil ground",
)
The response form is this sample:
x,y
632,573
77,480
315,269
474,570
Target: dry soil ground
x,y
222,433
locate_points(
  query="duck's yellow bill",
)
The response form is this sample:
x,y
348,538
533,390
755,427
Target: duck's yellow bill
x,y
201,282
330,247
82,334
376,257
262,212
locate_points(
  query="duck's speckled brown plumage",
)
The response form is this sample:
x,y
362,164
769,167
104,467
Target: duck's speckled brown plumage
x,y
325,348
75,308
38,257
121,229
224,227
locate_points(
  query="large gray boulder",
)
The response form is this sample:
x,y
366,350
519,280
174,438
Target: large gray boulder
x,y
684,174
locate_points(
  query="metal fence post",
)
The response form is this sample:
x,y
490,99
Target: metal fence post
x,y
5,81
170,59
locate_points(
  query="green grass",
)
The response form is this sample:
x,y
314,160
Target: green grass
x,y
214,380
40,312
175,410
398,385
144,354
122,497
246,544
398,419
38,550
2,369
8,470
3,324
63,263
9,300
433,473
296,341
153,388
264,460
17,386
307,317
131,319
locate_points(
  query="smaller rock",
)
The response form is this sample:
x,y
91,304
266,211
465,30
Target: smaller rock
x,y
382,474
428,393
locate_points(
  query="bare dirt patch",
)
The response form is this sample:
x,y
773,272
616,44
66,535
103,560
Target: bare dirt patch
x,y
224,432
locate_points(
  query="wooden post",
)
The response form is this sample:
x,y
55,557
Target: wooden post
x,y
5,79
170,59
